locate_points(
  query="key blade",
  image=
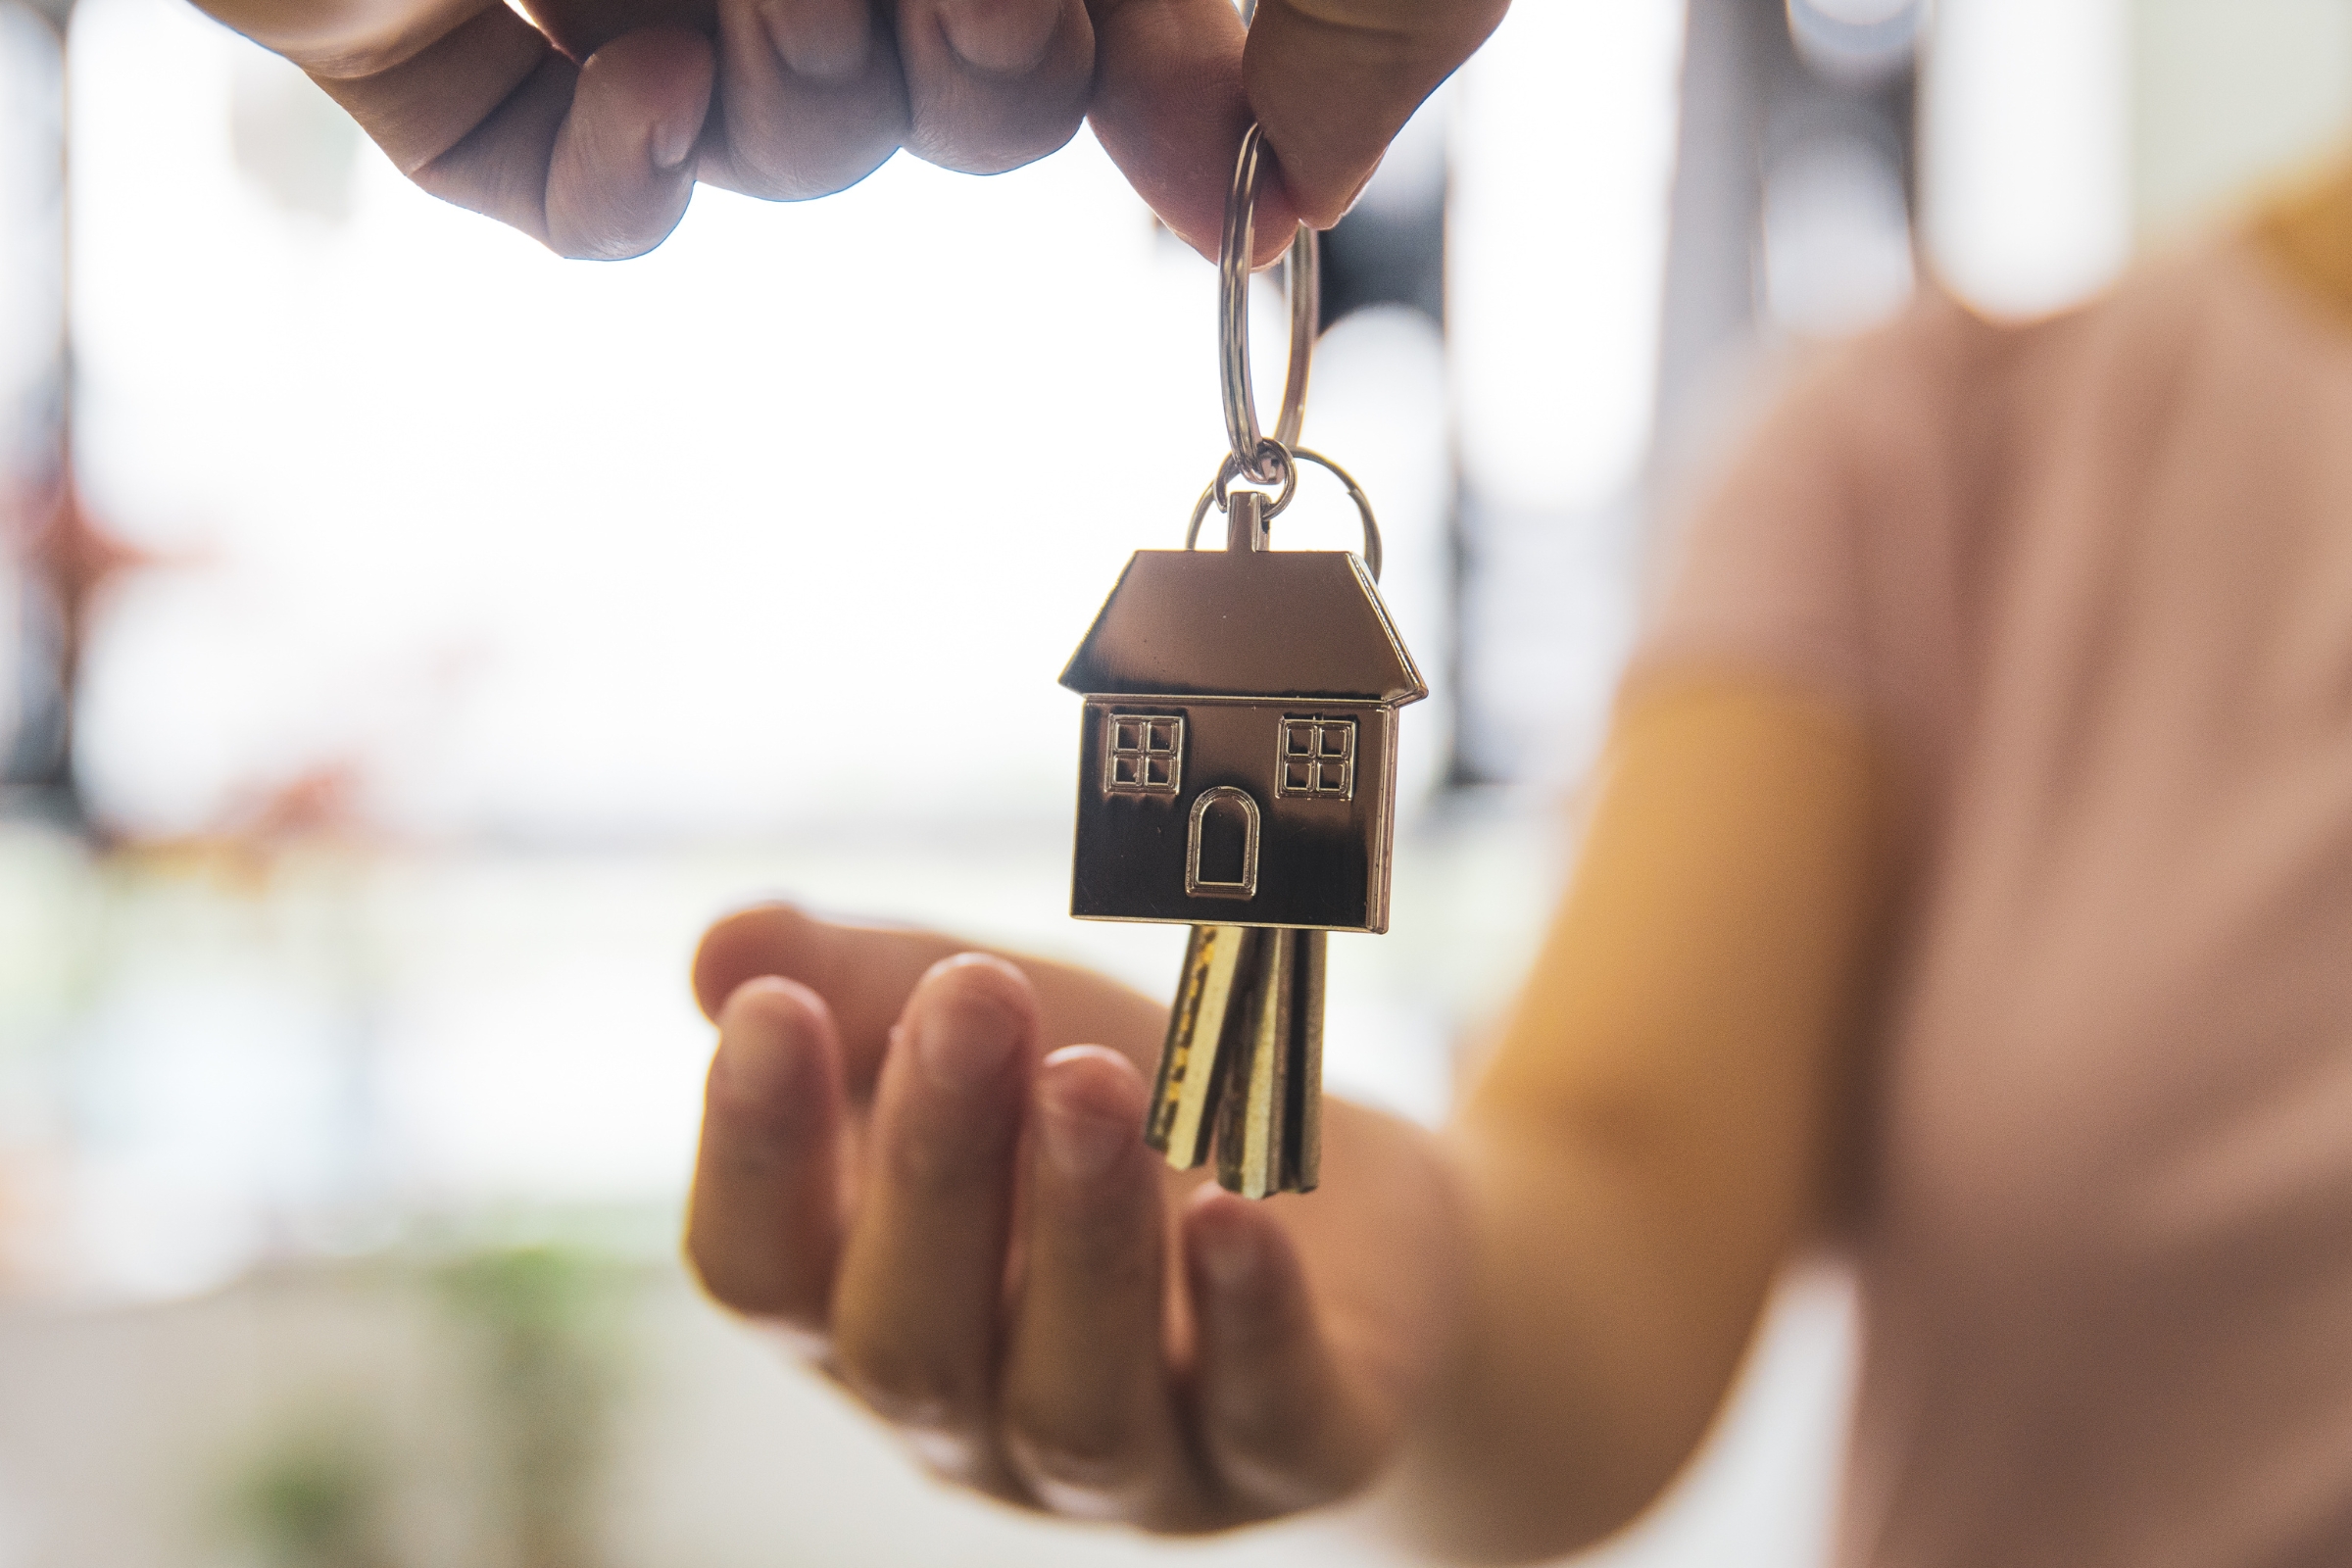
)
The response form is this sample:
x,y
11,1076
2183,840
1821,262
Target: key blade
x,y
1264,1148
1250,1123
1231,1131
1185,1095
1303,1088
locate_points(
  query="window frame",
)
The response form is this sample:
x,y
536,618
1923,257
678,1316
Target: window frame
x,y
1143,754
1316,759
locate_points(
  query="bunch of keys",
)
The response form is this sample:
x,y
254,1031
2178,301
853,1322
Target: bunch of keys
x,y
1237,763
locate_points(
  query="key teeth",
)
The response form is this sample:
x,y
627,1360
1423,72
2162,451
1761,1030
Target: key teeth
x,y
1241,1124
1190,1081
1240,1072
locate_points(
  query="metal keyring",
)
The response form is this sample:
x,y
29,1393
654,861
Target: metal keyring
x,y
1230,470
1303,280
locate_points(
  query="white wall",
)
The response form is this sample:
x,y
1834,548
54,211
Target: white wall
x,y
2230,94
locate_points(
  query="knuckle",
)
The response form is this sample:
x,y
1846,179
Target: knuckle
x,y
606,246
779,169
913,1393
1267,1457
940,1161
996,144
929,1166
986,127
949,1454
758,1293
1256,1446
1079,1463
802,1342
1269,1488
1286,1466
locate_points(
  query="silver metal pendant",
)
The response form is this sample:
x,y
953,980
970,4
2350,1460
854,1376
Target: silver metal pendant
x,y
1238,749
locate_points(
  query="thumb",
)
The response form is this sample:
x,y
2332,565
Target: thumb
x,y
1169,110
1333,80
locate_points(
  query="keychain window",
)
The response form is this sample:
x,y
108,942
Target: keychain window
x,y
1147,755
1318,758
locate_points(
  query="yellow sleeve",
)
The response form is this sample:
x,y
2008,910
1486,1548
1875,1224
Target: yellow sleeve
x,y
1648,1141
2307,232
1704,960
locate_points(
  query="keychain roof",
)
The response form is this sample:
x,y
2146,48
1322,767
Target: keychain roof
x,y
1294,623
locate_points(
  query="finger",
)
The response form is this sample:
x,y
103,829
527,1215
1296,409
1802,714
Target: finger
x,y
866,974
764,1223
621,175
580,28
590,160
810,97
347,40
1084,1408
991,84
1333,80
422,106
915,1306
1281,1428
1169,108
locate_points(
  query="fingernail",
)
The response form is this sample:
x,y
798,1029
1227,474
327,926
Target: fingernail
x,y
825,40
757,1064
963,1040
1082,1143
999,36
674,140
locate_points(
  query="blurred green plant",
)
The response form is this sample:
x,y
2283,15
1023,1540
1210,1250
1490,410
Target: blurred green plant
x,y
549,1326
314,1498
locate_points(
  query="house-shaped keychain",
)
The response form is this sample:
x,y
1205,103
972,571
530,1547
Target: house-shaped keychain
x,y
1237,756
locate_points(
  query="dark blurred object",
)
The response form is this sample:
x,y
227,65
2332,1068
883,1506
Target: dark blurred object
x,y
1391,247
1794,187
66,561
62,560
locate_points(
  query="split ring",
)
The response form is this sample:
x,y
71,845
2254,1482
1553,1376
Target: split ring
x,y
1302,274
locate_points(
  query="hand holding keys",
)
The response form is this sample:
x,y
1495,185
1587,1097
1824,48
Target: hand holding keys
x,y
910,1163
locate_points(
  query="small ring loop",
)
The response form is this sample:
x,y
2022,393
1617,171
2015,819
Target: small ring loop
x,y
1364,505
1221,489
1303,280
1273,457
1229,470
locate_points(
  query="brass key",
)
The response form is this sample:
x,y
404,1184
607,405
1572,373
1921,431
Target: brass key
x,y
1242,1071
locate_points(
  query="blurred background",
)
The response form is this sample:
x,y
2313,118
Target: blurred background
x,y
409,640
